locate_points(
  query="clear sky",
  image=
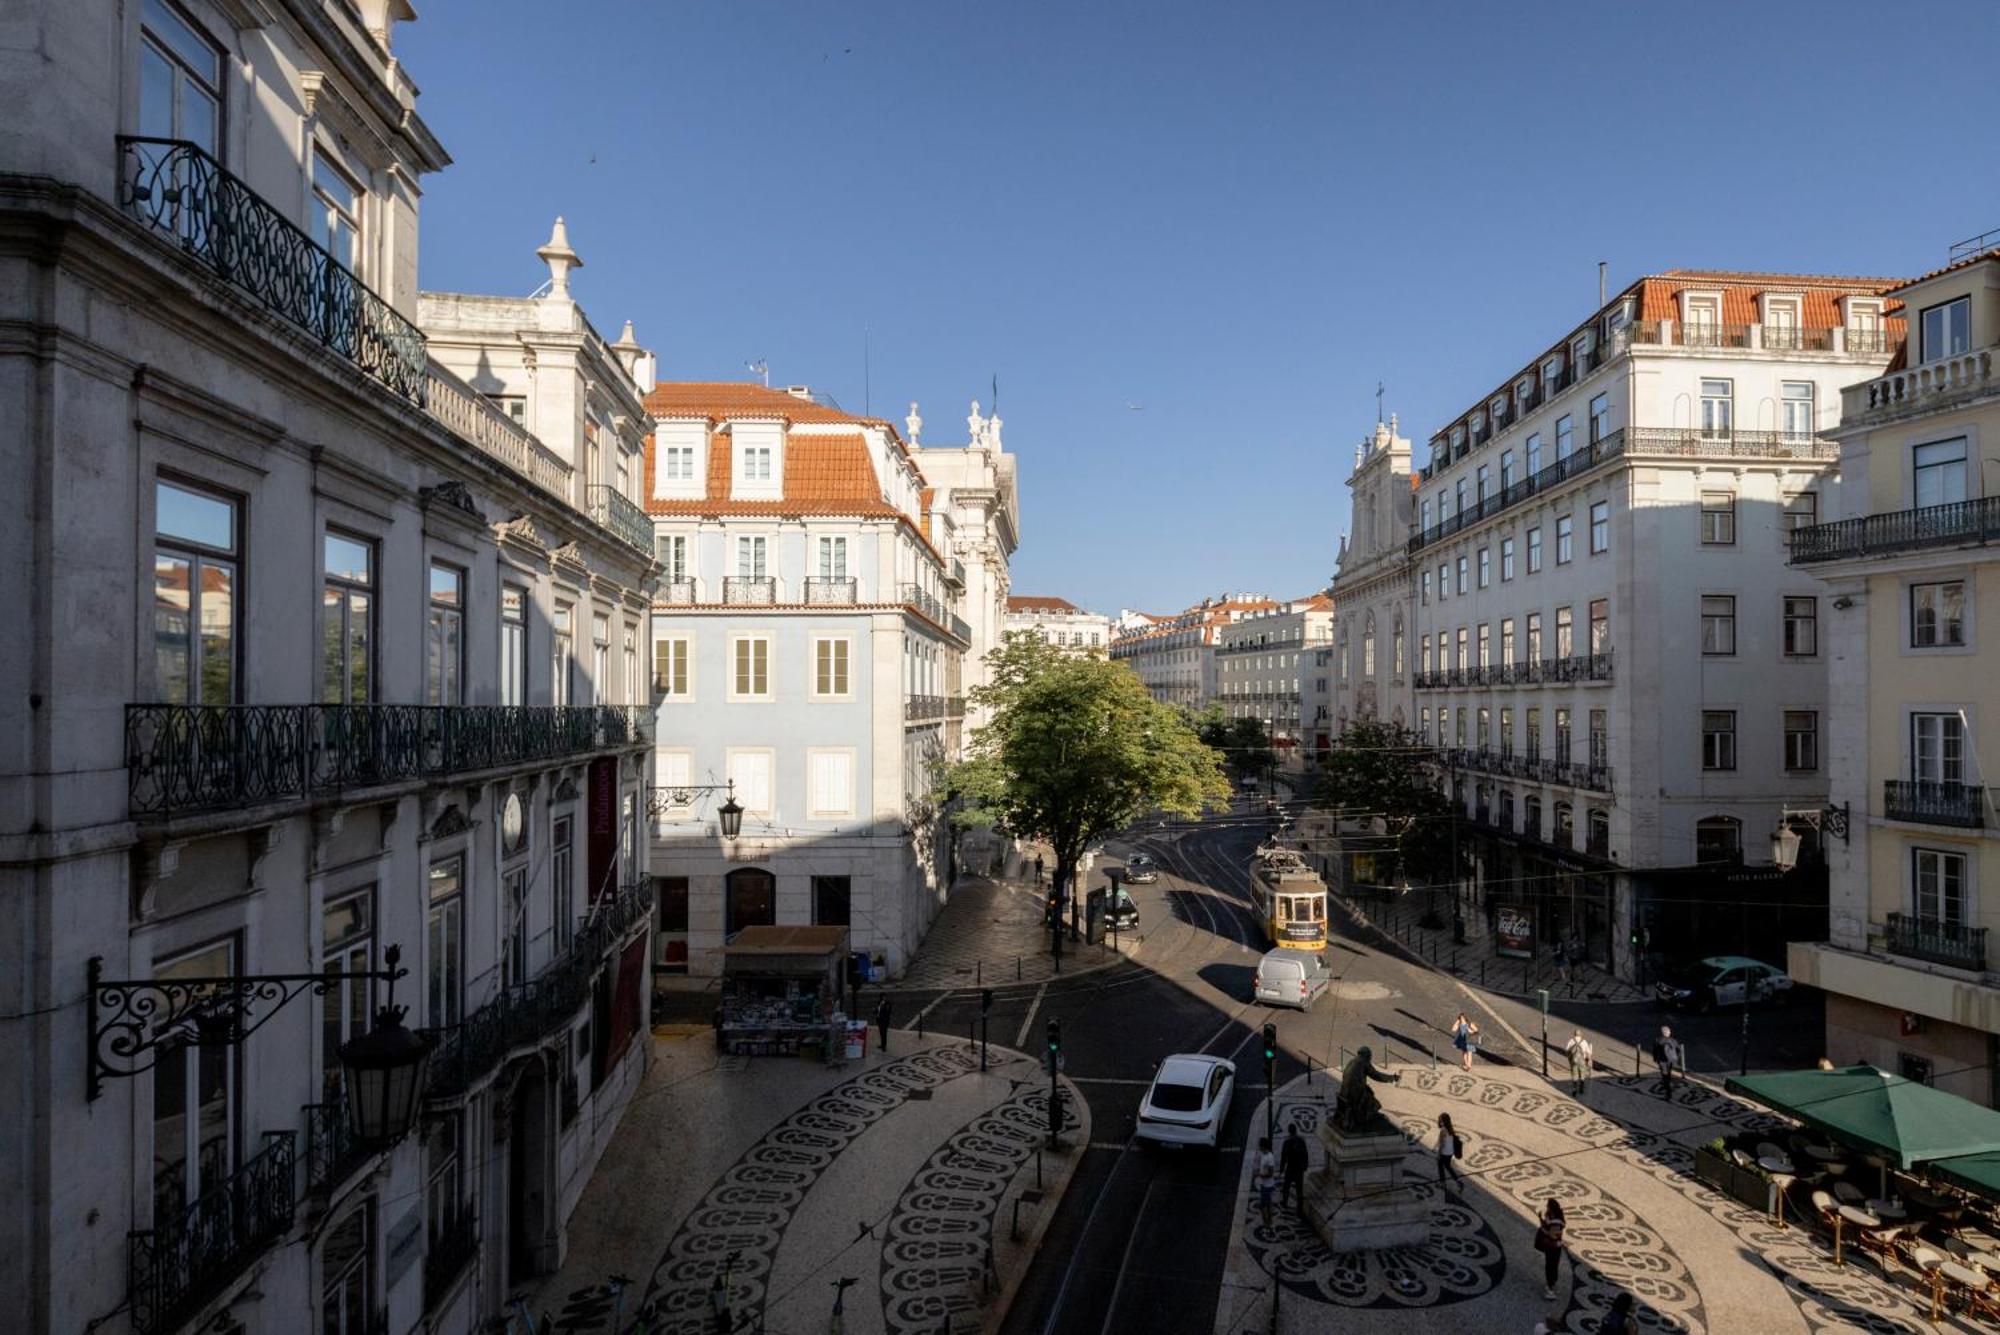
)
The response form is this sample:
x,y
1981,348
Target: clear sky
x,y
1189,238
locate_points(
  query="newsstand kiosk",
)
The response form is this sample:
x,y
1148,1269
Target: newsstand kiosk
x,y
781,992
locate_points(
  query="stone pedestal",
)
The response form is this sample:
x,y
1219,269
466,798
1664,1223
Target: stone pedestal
x,y
1349,1200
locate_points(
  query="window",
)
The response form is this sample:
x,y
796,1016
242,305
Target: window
x,y
180,80
513,645
1426,589
600,659
1532,733
1506,470
1506,730
1718,839
1424,520
1718,406
1946,329
1937,614
194,596
1600,527
1718,623
1801,627
1938,472
750,900
1458,728
1534,645
1535,550
1564,833
1795,409
1396,642
444,1192
347,1274
1485,483
630,693
336,211
1532,451
348,609
1599,739
1485,566
755,462
830,670
346,947
1561,739
1458,497
833,557
672,549
1368,647
1444,580
562,657
1424,724
1464,660
1600,417
1718,518
751,553
444,638
1423,653
1463,567
1565,438
1565,525
833,901
1600,627
444,944
1484,731
830,783
514,927
1506,559
1801,511
1565,633
1485,639
1718,739
1938,886
671,676
1801,740
671,924
750,673
1507,640
677,463
562,880
1937,748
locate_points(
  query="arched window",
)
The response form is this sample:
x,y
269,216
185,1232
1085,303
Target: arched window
x,y
1598,834
1531,816
1718,839
1368,646
750,899
1506,809
1563,835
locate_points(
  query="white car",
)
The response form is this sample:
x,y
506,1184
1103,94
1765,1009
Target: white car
x,y
1188,1101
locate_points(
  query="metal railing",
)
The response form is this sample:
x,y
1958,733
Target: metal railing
x,y
957,575
1868,340
830,588
188,758
626,521
1935,802
917,596
1955,524
1936,941
959,627
219,222
1795,338
680,592
474,418
448,1254
522,1016
749,590
923,708
332,1153
180,1263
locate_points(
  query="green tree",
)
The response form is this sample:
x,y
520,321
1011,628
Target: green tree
x,y
1245,746
1075,749
1375,769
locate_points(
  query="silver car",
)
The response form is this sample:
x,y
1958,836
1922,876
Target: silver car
x,y
1290,978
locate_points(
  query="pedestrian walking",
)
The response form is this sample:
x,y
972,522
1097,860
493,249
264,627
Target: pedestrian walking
x,y
1450,1149
1562,960
1580,1054
1666,1056
1618,1321
882,1017
1293,1161
1038,869
1549,1242
1267,1177
1465,1037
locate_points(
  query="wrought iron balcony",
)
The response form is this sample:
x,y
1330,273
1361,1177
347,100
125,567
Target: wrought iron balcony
x,y
917,596
1932,802
923,708
332,1153
958,627
522,1016
1956,524
830,588
1937,941
749,590
626,521
449,1253
182,1262
957,573
1795,338
181,759
229,229
680,592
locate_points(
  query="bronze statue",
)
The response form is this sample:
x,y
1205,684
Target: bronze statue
x,y
1356,1106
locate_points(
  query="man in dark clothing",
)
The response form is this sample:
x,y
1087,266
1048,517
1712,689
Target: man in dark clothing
x,y
1292,1161
882,1022
1038,869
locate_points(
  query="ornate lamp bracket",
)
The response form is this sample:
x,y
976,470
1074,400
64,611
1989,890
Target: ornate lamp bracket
x,y
1828,819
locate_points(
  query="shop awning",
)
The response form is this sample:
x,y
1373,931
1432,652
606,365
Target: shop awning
x,y
1979,1173
1878,1113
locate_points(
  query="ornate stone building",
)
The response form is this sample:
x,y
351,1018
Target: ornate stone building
x,y
1372,586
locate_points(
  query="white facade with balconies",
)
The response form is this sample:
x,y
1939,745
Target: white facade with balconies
x,y
1266,666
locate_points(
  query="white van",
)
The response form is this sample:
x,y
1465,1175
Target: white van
x,y
1290,978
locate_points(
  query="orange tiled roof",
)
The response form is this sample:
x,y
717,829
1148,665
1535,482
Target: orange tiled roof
x,y
824,475
1970,260
719,400
1028,602
1658,294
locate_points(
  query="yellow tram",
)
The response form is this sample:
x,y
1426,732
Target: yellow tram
x,y
1290,899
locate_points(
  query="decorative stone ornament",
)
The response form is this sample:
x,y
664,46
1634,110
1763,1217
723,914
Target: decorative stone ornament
x,y
560,259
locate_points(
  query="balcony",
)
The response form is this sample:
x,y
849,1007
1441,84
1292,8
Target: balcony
x,y
472,417
625,521
1956,524
830,589
1936,941
1933,802
958,627
956,575
1793,338
680,592
923,708
524,1015
182,1262
449,1253
332,1154
1928,387
749,590
182,759
229,229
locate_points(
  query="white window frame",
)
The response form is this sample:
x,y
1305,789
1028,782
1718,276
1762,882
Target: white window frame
x,y
1950,488
753,802
814,809
1964,642
1955,335
682,657
759,565
846,666
1939,858
1797,411
736,696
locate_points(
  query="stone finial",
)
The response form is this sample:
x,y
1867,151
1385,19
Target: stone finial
x,y
993,432
1392,425
560,259
914,423
975,425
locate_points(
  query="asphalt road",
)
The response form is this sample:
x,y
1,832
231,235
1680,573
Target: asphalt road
x,y
1138,1240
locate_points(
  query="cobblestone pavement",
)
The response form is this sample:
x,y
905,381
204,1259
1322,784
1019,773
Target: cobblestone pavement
x,y
989,934
1621,1162
774,1178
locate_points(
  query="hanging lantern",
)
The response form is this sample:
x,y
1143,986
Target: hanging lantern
x,y
731,814
383,1073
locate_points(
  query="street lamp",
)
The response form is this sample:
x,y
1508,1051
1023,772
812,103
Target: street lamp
x,y
673,797
383,1072
1824,820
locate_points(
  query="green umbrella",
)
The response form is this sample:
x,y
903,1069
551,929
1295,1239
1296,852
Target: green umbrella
x,y
1975,1172
1905,1122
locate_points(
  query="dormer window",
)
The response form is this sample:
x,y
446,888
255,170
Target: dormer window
x,y
1945,330
1864,325
1782,320
757,466
1701,319
756,463
677,463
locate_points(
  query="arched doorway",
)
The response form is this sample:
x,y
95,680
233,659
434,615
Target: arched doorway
x,y
749,899
528,1161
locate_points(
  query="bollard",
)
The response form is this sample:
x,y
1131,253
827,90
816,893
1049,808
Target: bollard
x,y
1635,1061
979,973
1038,1168
1017,968
1434,1056
1014,1233
1482,973
920,1024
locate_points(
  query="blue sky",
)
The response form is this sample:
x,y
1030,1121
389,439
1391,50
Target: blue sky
x,y
1239,217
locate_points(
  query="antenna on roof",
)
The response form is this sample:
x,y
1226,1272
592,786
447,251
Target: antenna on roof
x,y
760,367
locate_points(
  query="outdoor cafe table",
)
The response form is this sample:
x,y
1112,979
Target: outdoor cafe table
x,y
1859,1218
1888,1209
1961,1275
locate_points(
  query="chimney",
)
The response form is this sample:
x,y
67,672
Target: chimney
x,y
1600,282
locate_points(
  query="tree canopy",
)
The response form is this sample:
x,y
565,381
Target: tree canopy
x,y
1245,746
1075,749
1374,770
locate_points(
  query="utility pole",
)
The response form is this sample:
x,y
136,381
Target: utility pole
x,y
1543,992
1271,1082
1055,1088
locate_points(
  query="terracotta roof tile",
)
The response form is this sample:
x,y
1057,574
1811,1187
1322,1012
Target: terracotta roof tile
x,y
1028,602
824,475
1967,262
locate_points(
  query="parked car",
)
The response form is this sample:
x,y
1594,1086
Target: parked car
x,y
1141,870
1290,978
1723,980
1187,1101
1124,913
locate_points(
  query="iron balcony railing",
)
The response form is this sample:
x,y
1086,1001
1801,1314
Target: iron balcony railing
x,y
957,575
749,590
229,229
626,521
959,627
190,758
917,596
332,1153
1954,524
180,1263
449,1253
923,708
1937,941
522,1016
830,588
679,592
1935,802
1794,338
954,706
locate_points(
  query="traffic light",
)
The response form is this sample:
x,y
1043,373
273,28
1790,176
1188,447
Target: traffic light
x,y
985,1000
1270,1042
1055,1037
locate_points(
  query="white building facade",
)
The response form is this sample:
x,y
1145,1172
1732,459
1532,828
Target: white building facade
x,y
305,671
1626,677
1059,622
1265,669
1373,662
1175,655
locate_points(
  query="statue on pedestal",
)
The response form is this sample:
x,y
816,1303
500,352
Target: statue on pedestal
x,y
1357,1108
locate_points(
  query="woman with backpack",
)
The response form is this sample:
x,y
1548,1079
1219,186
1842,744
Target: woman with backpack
x,y
1549,1242
1449,1148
